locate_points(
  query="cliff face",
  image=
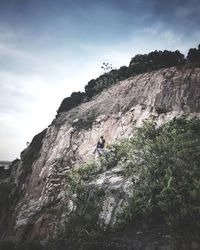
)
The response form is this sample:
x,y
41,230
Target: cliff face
x,y
38,199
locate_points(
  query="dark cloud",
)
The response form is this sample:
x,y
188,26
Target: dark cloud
x,y
166,7
105,18
183,14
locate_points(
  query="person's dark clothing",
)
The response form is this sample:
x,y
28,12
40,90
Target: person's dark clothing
x,y
101,143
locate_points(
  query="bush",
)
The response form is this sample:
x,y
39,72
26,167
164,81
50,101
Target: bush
x,y
76,177
164,164
82,223
74,100
156,60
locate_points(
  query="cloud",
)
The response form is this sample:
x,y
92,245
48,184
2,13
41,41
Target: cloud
x,y
29,98
179,13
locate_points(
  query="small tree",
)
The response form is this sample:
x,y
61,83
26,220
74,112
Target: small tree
x,y
106,67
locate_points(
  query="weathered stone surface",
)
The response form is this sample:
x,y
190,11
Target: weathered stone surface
x,y
37,198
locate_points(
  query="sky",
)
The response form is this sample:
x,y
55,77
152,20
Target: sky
x,y
49,49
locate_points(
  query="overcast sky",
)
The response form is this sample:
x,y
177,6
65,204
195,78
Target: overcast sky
x,y
48,49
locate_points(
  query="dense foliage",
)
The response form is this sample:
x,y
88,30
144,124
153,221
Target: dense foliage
x,y
165,167
139,64
156,60
74,100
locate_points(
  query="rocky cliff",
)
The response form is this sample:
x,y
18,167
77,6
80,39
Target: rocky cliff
x,y
39,198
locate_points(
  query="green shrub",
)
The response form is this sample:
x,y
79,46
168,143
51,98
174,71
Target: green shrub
x,y
83,222
74,100
164,164
77,176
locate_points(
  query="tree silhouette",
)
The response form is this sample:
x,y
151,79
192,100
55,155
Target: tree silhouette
x,y
193,55
106,67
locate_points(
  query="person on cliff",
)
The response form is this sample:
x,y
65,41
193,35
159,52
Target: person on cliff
x,y
100,146
101,142
100,149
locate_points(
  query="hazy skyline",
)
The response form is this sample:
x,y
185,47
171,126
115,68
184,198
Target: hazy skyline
x,y
48,49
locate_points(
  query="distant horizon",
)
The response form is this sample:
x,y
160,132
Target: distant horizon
x,y
5,162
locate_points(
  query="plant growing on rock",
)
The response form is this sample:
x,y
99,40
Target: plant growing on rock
x,y
106,67
164,163
83,222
